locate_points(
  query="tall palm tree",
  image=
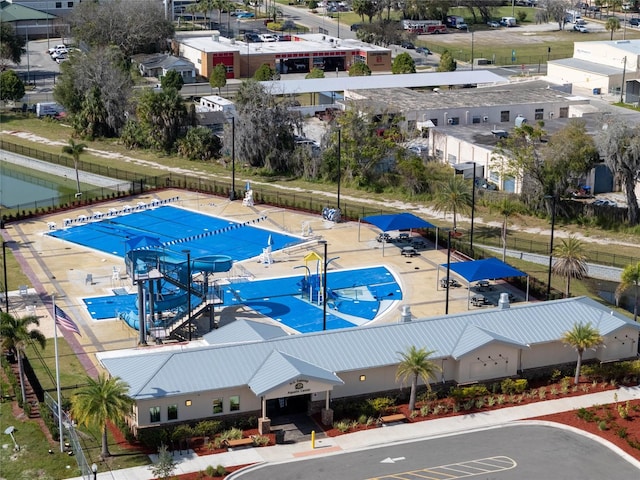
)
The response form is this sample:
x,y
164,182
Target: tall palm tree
x,y
15,333
571,262
99,402
612,25
453,195
75,149
416,363
630,276
581,337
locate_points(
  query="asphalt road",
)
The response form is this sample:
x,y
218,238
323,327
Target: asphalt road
x,y
505,453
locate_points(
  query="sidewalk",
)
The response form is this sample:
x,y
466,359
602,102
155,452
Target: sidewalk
x,y
189,462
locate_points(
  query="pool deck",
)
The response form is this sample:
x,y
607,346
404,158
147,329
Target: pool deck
x,y
59,268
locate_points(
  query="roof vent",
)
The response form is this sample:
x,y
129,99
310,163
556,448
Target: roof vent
x,y
503,303
405,316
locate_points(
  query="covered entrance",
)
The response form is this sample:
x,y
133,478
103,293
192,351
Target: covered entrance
x,y
277,407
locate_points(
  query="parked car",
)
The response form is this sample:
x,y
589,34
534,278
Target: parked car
x,y
494,24
604,202
267,37
62,46
245,15
423,50
462,26
355,27
252,37
580,28
634,22
59,53
408,45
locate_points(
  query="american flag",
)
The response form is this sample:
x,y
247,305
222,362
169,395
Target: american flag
x,y
64,321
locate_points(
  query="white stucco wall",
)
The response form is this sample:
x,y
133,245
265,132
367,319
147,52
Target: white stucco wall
x,y
494,361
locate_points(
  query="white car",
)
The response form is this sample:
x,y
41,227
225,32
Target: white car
x,y
57,47
267,37
61,52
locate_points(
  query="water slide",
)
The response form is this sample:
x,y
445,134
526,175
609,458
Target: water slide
x,y
170,271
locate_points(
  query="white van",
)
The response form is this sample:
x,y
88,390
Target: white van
x,y
508,21
48,109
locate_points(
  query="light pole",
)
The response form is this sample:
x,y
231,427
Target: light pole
x,y
232,194
473,205
553,225
324,287
188,252
94,469
471,49
4,269
9,431
448,279
624,71
339,172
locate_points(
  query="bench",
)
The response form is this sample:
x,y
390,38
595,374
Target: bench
x,y
241,442
396,417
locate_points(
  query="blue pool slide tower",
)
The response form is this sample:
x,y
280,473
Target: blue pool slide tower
x,y
165,281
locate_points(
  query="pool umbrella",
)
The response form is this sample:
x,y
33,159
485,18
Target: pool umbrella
x,y
270,241
247,186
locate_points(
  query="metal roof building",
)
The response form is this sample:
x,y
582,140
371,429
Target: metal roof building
x,y
247,365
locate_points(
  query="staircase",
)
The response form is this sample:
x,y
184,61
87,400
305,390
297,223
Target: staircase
x,y
30,393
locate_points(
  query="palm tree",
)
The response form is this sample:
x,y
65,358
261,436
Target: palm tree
x,y
15,333
581,337
630,276
416,363
453,195
505,208
99,402
571,262
612,25
75,149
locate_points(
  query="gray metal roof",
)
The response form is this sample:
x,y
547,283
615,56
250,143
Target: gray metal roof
x,y
586,66
280,368
226,366
409,80
243,332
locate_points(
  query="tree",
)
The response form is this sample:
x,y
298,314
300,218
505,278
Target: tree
x,y
165,465
581,337
12,45
134,27
453,195
403,63
11,87
163,115
75,149
264,73
315,73
359,69
172,79
218,77
630,277
619,144
447,62
414,364
612,25
101,401
16,333
199,144
571,262
505,208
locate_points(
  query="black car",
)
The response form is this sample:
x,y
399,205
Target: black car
x,y
251,37
634,22
355,27
408,45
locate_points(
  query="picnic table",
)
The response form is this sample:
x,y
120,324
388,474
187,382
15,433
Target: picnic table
x,y
446,282
484,284
478,300
409,252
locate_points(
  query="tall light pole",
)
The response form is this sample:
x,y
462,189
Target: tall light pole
x,y
624,71
188,252
339,171
232,194
473,205
324,286
446,305
471,49
4,268
553,225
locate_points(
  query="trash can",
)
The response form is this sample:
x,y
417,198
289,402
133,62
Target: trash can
x,y
279,437
596,91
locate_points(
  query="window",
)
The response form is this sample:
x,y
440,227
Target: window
x,y
69,4
452,159
564,112
439,154
504,116
539,115
154,414
217,405
172,412
234,403
475,119
453,121
58,4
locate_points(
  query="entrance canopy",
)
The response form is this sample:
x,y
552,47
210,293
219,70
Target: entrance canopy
x,y
486,269
400,221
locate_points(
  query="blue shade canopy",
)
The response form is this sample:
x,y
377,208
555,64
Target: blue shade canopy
x,y
484,270
400,221
143,241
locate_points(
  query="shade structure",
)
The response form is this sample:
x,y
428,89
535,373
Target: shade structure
x,y
486,269
400,221
143,241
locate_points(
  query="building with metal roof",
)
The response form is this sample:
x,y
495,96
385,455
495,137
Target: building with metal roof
x,y
28,22
247,369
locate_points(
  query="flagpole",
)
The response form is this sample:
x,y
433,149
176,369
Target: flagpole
x,y
55,336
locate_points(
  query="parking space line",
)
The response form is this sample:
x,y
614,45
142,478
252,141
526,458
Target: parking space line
x,y
453,471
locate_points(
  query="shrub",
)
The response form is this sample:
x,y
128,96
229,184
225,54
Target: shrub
x,y
210,470
602,425
586,415
623,411
342,426
510,386
425,409
622,432
207,428
465,393
260,440
380,405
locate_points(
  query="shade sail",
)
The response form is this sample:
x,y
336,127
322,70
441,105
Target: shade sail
x,y
484,270
143,241
400,221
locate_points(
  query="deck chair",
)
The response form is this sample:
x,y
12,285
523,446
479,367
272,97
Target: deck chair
x,y
88,279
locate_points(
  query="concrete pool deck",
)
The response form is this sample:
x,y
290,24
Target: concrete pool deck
x,y
59,268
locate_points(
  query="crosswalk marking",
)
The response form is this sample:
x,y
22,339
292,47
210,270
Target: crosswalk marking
x,y
454,471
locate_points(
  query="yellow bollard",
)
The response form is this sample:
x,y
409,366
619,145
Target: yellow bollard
x,y
313,439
